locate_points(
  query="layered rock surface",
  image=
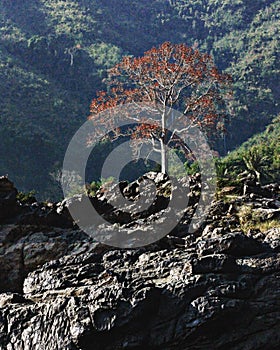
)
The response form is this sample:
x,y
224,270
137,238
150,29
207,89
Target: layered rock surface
x,y
218,288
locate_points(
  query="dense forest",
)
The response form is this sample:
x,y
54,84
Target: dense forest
x,y
54,55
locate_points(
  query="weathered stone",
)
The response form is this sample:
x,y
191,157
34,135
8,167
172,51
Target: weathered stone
x,y
217,288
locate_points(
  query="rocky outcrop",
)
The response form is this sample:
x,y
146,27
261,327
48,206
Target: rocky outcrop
x,y
214,294
8,193
31,234
25,247
12,210
218,288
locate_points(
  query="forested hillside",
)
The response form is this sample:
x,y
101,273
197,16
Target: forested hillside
x,y
54,54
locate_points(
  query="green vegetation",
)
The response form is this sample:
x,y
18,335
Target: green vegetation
x,y
54,55
26,198
97,185
259,156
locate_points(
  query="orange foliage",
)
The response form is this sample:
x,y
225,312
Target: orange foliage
x,y
172,75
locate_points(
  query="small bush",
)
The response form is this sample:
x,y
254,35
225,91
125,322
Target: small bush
x,y
26,198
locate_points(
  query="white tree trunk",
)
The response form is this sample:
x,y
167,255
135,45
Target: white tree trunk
x,y
163,157
162,143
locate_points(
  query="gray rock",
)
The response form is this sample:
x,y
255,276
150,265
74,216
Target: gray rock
x,y
272,237
218,288
161,299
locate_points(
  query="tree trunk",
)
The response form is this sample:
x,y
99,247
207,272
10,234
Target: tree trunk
x,y
162,143
163,156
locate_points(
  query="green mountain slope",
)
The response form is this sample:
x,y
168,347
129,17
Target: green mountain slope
x,y
54,55
258,156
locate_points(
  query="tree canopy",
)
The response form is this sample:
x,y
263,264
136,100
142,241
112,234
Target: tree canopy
x,y
170,76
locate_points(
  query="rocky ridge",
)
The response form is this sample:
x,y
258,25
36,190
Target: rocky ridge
x,y
218,288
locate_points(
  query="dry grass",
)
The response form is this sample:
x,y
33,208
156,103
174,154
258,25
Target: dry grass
x,y
250,220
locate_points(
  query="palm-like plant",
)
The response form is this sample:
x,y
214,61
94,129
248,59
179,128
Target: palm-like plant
x,y
256,163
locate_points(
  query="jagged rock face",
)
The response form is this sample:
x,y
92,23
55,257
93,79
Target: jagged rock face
x,y
210,295
23,248
216,289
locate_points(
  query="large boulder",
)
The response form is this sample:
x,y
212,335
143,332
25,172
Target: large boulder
x,y
23,248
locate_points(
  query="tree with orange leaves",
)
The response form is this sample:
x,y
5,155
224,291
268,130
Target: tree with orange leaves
x,y
170,76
